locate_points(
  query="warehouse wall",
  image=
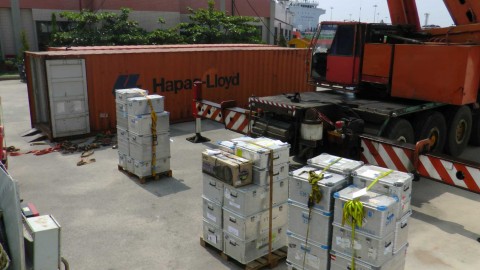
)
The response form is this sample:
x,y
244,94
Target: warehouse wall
x,y
6,32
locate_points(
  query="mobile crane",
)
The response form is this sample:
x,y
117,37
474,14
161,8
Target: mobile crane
x,y
387,87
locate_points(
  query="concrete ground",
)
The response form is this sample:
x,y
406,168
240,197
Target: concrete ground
x,y
110,221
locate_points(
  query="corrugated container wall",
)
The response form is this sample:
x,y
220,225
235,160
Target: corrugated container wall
x,y
228,73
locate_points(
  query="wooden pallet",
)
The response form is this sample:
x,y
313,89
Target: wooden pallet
x,y
146,179
258,264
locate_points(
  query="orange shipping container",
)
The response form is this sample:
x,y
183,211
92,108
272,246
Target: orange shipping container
x,y
169,46
234,73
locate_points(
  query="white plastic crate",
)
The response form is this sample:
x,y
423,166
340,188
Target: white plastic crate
x,y
253,226
320,223
144,168
142,124
299,188
122,95
380,211
212,212
251,199
213,235
368,248
247,251
141,146
140,105
343,166
308,256
262,177
213,189
397,184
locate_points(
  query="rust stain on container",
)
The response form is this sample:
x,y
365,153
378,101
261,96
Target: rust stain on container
x,y
228,73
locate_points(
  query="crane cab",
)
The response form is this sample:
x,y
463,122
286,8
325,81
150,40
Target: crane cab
x,y
336,53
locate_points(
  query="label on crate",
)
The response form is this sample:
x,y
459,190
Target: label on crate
x,y
212,217
388,249
233,231
227,194
370,174
236,205
346,243
312,261
212,238
372,253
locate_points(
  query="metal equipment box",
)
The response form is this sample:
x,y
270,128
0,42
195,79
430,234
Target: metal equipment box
x,y
44,250
340,261
342,166
213,234
320,223
213,189
122,95
122,116
141,146
247,251
142,124
368,248
229,168
258,151
299,188
380,211
401,232
252,199
310,255
122,141
262,177
212,212
140,105
144,168
397,184
253,226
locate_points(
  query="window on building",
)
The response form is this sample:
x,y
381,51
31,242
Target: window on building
x,y
275,35
44,31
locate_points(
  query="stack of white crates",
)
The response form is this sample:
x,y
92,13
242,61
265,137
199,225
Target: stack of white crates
x,y
309,231
240,215
381,242
134,132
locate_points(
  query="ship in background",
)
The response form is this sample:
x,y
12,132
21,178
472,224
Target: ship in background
x,y
306,15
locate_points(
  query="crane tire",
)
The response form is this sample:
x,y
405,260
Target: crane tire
x,y
459,128
431,124
475,136
400,130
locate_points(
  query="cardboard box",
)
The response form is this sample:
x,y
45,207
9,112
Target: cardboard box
x,y
231,169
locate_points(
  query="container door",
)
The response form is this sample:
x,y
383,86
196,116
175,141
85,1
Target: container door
x,y
67,88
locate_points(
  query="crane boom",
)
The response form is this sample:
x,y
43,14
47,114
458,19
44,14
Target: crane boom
x,y
404,12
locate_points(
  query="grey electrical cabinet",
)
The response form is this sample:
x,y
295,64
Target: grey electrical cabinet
x,y
43,243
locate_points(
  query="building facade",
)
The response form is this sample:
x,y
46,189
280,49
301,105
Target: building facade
x,y
34,17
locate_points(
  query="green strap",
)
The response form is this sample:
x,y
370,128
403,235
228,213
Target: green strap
x,y
382,175
353,213
314,197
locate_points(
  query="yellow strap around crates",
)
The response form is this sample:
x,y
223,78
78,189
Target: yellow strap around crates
x,y
154,136
353,214
315,197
